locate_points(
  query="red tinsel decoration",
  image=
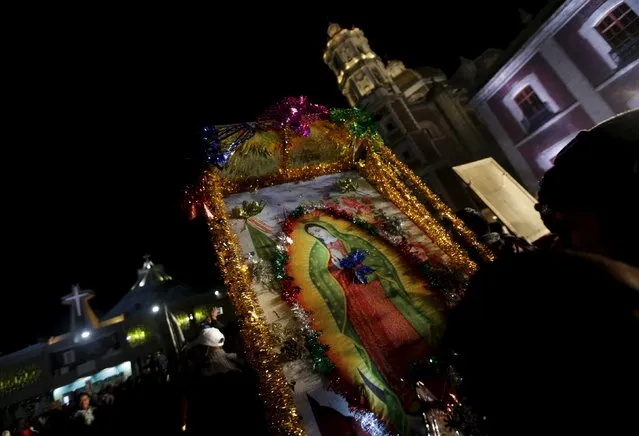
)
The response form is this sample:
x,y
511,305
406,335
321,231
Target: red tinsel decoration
x,y
289,290
289,225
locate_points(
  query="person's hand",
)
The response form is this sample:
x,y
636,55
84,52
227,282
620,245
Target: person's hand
x,y
214,313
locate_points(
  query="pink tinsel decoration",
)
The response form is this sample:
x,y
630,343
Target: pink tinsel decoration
x,y
295,112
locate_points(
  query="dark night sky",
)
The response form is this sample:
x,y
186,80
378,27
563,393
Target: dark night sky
x,y
102,111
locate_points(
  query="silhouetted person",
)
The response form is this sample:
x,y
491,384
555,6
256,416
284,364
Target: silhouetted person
x,y
56,420
546,341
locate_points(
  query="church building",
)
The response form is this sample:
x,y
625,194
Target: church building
x,y
574,66
155,315
421,116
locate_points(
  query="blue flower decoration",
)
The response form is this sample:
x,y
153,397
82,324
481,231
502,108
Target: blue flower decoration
x,y
354,261
361,273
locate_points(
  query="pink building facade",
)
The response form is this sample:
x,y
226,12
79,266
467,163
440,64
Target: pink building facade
x,y
580,67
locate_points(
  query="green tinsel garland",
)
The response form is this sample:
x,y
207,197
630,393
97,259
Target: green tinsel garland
x,y
358,122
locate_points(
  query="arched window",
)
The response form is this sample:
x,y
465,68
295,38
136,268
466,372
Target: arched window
x,y
535,111
619,26
530,103
431,129
613,31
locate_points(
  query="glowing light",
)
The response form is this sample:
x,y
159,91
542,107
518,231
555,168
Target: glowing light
x,y
136,336
370,424
155,309
85,334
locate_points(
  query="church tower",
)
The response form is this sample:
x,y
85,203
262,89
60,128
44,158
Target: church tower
x,y
417,117
360,72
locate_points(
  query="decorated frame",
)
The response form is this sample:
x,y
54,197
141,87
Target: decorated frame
x,y
359,152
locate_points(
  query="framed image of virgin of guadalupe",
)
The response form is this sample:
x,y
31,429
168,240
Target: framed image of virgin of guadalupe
x,y
340,275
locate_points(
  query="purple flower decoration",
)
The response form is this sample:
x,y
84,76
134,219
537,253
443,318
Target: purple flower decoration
x,y
354,261
295,112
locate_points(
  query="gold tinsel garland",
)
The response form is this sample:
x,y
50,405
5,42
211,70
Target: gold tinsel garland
x,y
290,175
377,171
261,353
286,148
441,207
287,174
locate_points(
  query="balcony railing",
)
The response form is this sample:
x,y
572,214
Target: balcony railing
x,y
538,119
626,52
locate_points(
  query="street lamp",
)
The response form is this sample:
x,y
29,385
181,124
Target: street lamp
x,y
155,309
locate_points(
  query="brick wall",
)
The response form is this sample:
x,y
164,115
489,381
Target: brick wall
x,y
621,90
549,80
572,122
580,50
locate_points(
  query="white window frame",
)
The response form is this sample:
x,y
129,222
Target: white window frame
x,y
590,33
533,81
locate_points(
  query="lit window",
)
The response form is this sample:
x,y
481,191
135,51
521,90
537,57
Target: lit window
x,y
619,27
535,111
529,102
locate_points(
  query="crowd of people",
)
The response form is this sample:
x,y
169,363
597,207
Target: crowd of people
x,y
207,380
134,406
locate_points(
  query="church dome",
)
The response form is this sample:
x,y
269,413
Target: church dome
x,y
434,74
406,79
395,68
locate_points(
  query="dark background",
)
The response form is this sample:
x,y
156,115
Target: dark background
x,y
102,112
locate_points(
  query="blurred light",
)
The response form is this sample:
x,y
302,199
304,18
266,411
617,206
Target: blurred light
x,y
85,334
155,309
128,338
65,400
190,316
184,427
217,293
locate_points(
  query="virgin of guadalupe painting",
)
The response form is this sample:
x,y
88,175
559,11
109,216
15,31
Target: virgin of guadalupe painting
x,y
375,330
